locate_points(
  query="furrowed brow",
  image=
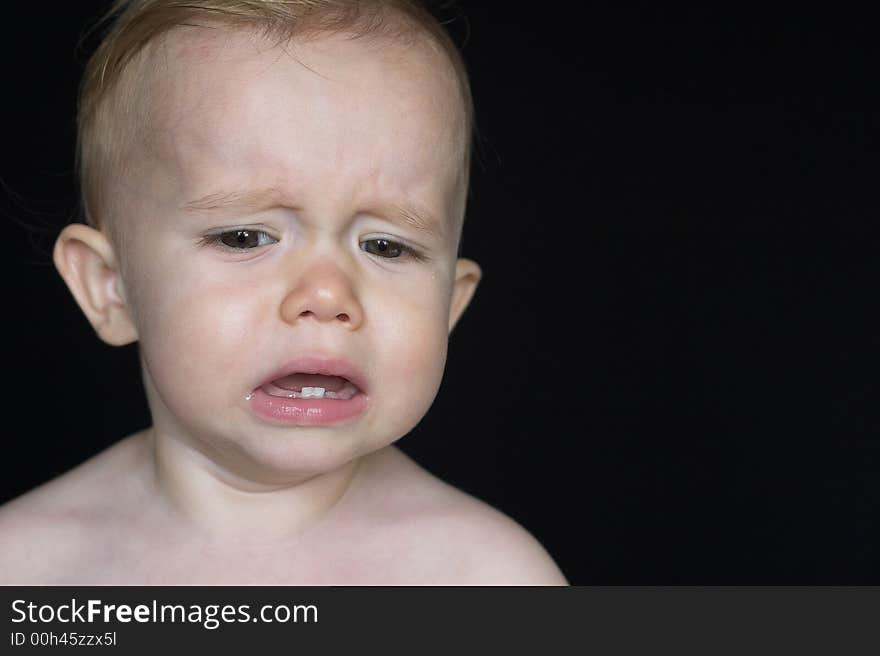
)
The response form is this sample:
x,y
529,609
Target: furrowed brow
x,y
236,200
260,199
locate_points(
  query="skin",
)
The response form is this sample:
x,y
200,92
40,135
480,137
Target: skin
x,y
326,138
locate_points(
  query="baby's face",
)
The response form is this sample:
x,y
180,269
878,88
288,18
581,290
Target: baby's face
x,y
295,209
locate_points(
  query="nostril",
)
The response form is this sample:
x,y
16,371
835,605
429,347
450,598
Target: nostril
x,y
342,317
306,313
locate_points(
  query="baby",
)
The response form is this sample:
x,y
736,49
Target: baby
x,y
275,193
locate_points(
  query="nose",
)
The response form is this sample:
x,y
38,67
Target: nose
x,y
324,293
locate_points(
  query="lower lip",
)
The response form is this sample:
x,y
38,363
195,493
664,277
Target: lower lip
x,y
307,412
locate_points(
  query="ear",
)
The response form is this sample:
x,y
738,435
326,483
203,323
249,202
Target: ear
x,y
467,276
86,260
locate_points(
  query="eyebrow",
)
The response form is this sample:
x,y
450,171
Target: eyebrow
x,y
420,220
261,199
236,200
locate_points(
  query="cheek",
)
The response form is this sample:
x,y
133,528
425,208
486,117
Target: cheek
x,y
195,333
412,340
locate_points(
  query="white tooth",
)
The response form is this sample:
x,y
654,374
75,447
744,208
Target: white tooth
x,y
312,392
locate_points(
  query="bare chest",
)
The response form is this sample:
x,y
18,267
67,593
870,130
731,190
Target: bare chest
x,y
367,562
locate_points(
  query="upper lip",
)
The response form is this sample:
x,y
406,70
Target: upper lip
x,y
328,366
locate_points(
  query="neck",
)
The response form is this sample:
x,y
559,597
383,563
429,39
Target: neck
x,y
224,505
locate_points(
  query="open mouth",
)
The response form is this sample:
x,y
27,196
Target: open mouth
x,y
312,391
311,386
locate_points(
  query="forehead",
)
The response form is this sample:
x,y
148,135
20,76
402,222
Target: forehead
x,y
230,109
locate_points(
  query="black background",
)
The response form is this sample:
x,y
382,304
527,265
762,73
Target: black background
x,y
668,372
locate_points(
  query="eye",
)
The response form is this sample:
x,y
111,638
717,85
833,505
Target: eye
x,y
384,248
239,240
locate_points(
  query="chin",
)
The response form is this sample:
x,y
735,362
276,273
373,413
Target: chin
x,y
299,453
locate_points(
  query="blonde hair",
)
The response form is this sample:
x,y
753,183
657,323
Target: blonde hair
x,y
106,99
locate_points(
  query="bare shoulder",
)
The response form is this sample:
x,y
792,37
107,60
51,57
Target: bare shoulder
x,y
49,532
459,539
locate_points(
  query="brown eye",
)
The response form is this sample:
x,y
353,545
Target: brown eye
x,y
383,248
243,239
